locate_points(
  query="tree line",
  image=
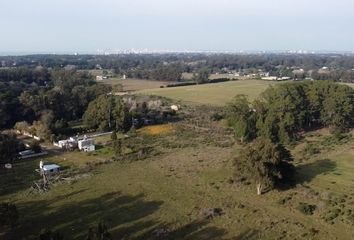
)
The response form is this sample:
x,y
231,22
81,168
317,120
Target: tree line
x,y
169,66
48,104
160,73
285,110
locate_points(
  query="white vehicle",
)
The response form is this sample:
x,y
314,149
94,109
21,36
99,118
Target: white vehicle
x,y
26,152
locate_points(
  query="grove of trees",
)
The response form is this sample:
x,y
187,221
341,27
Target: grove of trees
x,y
44,101
285,110
108,112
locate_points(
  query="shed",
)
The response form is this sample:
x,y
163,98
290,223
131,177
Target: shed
x,y
51,168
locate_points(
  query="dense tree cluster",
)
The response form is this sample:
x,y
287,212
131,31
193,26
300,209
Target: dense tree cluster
x,y
287,109
161,73
45,99
67,99
38,76
108,112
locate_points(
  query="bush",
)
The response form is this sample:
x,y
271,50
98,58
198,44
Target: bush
x,y
305,208
310,150
216,117
333,214
284,200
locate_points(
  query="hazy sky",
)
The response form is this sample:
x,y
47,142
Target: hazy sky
x,y
88,25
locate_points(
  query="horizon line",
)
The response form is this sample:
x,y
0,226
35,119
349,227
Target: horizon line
x,y
148,51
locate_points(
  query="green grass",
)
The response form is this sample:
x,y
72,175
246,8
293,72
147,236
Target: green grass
x,y
134,198
214,94
170,190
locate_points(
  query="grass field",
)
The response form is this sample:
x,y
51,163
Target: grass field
x,y
129,84
214,94
192,171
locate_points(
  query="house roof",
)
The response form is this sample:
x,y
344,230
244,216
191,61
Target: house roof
x,y
50,167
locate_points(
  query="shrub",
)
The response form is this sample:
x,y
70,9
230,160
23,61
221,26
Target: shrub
x,y
310,150
284,200
306,208
333,214
216,117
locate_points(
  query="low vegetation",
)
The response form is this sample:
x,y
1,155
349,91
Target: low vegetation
x,y
277,164
157,129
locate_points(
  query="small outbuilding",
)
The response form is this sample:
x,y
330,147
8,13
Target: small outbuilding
x,y
50,168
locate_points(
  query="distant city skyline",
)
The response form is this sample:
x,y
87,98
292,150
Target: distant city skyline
x,y
88,26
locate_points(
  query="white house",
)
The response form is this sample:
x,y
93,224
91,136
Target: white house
x,y
87,145
68,143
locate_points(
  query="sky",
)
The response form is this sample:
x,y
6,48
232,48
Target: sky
x,y
54,26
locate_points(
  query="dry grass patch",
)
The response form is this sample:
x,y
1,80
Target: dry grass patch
x,y
157,129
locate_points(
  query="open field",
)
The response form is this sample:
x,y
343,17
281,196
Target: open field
x,y
129,84
214,94
191,172
134,84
